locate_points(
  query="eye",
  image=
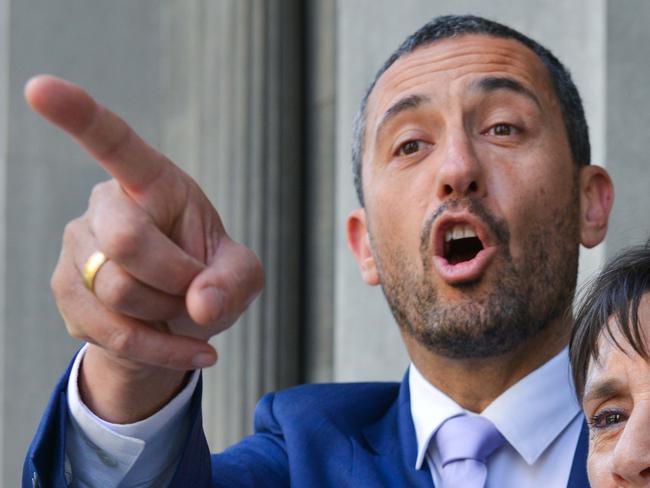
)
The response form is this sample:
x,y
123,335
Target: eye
x,y
409,147
501,130
607,418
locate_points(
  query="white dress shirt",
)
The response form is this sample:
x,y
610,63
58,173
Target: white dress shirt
x,y
100,454
539,416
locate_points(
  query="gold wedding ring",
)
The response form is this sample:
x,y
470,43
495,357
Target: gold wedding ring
x,y
91,266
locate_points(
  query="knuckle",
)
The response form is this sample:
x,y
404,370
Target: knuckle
x,y
123,242
60,285
120,341
98,192
56,282
75,331
256,270
118,295
71,231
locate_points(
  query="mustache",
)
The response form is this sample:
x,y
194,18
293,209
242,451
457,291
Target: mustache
x,y
498,227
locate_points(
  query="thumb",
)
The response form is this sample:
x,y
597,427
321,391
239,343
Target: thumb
x,y
223,290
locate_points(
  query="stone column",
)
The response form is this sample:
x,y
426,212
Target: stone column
x,y
628,121
232,112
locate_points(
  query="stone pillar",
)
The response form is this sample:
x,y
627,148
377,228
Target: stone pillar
x,y
232,112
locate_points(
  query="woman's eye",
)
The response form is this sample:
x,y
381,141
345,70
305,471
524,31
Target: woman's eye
x,y
606,419
501,130
409,147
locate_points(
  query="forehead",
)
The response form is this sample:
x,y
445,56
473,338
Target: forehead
x,y
448,66
612,360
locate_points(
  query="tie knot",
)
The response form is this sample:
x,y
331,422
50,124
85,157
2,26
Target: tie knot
x,y
467,437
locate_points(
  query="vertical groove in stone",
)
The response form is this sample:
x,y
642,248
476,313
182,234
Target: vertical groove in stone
x,y
319,191
4,126
239,90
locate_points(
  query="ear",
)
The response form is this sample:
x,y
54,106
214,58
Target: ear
x,y
596,200
359,243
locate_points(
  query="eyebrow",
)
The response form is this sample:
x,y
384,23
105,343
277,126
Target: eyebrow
x,y
602,389
410,102
496,83
486,84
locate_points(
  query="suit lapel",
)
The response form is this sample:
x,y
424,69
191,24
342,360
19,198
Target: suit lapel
x,y
392,438
578,476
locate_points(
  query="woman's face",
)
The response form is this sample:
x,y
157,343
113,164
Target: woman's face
x,y
617,407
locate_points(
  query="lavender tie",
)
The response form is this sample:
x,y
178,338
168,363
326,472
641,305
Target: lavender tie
x,y
464,443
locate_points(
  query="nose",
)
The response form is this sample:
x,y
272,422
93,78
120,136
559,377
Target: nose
x,y
460,173
631,460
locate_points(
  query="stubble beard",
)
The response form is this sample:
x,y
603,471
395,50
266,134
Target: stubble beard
x,y
521,299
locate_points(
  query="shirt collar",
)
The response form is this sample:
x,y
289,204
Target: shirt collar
x,y
530,414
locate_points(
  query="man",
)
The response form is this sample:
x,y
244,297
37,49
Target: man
x,y
471,162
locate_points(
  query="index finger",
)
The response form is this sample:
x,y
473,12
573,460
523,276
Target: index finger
x,y
108,138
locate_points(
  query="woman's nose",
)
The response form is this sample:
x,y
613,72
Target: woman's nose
x,y
631,460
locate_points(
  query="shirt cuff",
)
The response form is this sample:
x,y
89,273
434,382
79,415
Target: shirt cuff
x,y
141,454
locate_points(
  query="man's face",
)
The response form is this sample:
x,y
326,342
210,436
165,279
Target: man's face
x,y
617,406
471,195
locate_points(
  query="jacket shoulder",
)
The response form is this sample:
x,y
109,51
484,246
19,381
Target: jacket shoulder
x,y
345,405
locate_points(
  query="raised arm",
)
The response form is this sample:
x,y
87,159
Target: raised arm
x,y
173,276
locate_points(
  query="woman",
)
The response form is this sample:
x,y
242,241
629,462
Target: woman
x,y
610,357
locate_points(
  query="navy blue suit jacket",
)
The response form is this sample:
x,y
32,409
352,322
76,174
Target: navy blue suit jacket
x,y
337,435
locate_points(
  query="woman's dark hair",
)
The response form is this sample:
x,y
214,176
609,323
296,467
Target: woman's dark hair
x,y
615,293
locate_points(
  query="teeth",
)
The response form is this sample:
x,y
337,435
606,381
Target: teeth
x,y
469,231
459,231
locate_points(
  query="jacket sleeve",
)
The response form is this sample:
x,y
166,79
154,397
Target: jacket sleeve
x,y
258,460
45,463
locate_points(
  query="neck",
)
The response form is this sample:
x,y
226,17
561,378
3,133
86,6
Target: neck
x,y
474,383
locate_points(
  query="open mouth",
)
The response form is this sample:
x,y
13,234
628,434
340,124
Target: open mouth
x,y
464,248
461,243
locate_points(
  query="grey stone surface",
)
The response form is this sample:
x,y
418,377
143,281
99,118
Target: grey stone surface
x,y
231,117
628,121
113,49
4,122
367,345
48,181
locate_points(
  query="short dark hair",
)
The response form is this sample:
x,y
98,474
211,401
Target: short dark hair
x,y
450,26
615,293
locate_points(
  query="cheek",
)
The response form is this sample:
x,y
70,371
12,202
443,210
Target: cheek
x,y
396,217
598,464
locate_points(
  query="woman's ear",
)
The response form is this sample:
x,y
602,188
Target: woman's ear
x,y
596,200
359,243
